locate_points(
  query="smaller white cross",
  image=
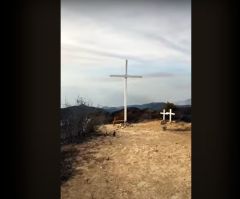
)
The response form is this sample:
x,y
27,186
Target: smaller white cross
x,y
163,113
170,115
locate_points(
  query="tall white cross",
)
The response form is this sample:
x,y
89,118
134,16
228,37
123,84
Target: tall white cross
x,y
125,76
163,113
170,115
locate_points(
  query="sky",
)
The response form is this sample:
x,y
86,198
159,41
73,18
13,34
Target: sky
x,y
98,36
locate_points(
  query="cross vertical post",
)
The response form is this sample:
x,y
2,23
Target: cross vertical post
x,y
170,115
125,76
163,113
125,93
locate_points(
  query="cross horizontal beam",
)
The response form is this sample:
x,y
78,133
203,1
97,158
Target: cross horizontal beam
x,y
126,76
164,113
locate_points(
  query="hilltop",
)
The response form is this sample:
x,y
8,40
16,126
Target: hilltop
x,y
78,121
141,161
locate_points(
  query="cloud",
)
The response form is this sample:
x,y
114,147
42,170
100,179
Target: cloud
x,y
167,42
159,74
101,53
97,37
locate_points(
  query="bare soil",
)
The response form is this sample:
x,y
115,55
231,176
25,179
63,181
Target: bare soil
x,y
142,161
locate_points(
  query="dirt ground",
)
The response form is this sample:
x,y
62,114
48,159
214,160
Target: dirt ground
x,y
142,161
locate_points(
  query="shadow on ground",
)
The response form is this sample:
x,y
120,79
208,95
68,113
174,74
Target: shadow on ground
x,y
71,155
175,127
179,129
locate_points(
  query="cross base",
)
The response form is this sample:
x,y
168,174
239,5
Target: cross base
x,y
163,121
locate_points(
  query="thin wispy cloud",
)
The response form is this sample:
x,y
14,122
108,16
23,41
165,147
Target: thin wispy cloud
x,y
159,74
167,43
101,53
97,37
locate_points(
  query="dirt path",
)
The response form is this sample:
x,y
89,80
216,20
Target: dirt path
x,y
142,162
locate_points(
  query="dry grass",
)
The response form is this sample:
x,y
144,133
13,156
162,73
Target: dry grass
x,y
141,161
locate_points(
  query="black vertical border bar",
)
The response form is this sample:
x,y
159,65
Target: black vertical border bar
x,y
213,99
37,76
37,51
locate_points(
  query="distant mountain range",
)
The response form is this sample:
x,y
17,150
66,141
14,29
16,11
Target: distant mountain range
x,y
184,102
156,106
153,106
135,112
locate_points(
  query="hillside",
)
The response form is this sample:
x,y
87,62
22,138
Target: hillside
x,y
182,113
80,120
72,111
135,112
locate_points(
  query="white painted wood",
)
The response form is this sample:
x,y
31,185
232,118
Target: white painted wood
x,y
125,76
125,94
164,113
170,113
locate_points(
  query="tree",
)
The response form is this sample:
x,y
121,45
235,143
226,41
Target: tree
x,y
170,106
80,101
